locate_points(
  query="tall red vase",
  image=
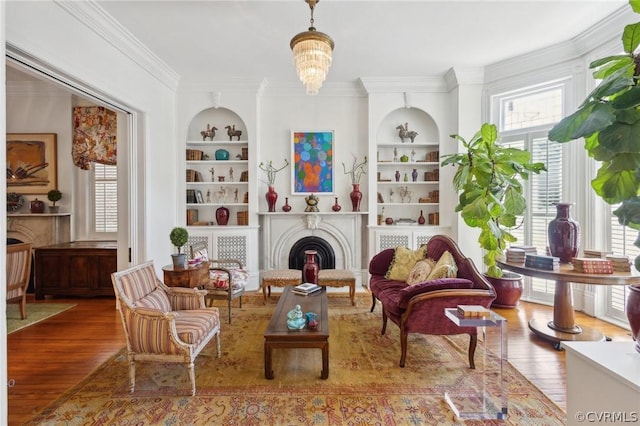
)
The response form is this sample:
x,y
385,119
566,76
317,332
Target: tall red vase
x,y
310,269
222,215
356,197
272,197
564,234
633,313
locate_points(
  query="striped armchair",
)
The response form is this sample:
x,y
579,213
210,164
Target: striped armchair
x,y
163,324
18,274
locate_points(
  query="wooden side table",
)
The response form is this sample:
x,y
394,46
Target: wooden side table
x,y
192,276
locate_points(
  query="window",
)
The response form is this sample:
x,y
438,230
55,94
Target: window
x,y
525,119
105,202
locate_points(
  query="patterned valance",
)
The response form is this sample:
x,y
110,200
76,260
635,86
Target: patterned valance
x,y
94,136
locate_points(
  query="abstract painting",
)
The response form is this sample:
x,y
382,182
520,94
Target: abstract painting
x,y
312,160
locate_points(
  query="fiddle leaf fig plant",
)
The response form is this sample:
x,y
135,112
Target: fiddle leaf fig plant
x,y
609,122
489,181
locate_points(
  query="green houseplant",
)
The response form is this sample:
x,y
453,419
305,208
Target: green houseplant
x,y
179,237
489,182
609,122
54,195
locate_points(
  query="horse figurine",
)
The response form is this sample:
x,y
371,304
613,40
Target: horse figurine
x,y
403,132
231,131
210,132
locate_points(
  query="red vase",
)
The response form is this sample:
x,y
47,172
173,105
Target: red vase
x,y
310,269
564,234
286,207
272,197
36,206
421,219
336,207
633,313
222,215
356,197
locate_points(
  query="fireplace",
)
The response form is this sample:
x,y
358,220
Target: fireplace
x,y
325,256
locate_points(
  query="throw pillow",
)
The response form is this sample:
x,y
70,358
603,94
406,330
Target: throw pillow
x,y
403,261
420,271
445,267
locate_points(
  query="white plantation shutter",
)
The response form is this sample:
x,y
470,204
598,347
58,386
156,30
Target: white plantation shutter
x,y
105,198
621,242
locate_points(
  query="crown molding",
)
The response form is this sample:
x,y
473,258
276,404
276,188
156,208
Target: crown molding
x,y
428,84
458,76
96,19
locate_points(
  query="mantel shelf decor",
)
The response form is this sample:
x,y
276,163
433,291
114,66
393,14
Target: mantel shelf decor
x,y
272,172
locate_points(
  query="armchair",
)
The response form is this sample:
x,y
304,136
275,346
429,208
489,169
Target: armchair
x,y
419,308
163,324
227,277
18,274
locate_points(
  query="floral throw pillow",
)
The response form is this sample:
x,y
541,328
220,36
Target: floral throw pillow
x,y
404,259
420,271
445,267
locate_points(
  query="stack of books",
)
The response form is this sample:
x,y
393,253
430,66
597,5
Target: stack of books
x,y
600,254
306,288
473,311
590,265
620,263
548,263
516,254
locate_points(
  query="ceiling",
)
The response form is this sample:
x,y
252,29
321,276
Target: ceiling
x,y
213,39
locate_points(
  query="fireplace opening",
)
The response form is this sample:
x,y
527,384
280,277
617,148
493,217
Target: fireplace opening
x,y
326,257
31,288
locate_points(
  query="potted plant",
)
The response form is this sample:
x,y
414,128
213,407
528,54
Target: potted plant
x,y
609,122
489,181
54,195
179,237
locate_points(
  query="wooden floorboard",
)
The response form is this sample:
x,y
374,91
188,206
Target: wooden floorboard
x,y
47,359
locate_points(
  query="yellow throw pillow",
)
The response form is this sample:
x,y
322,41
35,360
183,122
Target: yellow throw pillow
x,y
445,268
420,271
404,259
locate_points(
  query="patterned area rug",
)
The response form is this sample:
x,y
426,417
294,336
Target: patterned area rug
x,y
36,312
365,384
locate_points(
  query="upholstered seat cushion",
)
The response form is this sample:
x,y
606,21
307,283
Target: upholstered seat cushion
x,y
220,279
193,325
156,299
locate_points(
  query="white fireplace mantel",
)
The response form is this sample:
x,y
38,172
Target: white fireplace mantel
x,y
39,229
342,230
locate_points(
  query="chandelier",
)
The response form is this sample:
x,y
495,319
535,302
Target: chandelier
x,y
312,55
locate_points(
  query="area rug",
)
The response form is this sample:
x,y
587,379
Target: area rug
x,y
365,384
36,312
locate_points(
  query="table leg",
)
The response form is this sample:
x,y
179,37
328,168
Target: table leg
x,y
268,353
563,327
325,361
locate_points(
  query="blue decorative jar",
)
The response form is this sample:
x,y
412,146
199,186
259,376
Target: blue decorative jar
x,y
222,154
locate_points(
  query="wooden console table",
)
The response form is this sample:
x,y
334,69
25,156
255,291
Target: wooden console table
x,y
79,268
192,276
563,327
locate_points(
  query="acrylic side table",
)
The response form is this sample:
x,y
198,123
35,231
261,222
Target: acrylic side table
x,y
488,399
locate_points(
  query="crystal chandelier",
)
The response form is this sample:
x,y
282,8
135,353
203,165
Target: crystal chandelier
x,y
312,55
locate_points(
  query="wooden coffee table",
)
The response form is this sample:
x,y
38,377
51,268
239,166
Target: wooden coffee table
x,y
278,335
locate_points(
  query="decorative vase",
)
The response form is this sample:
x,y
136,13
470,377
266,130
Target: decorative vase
x,y
356,197
272,197
336,207
222,154
633,313
404,158
406,177
421,219
310,269
564,234
222,215
36,206
414,175
286,207
397,175
508,289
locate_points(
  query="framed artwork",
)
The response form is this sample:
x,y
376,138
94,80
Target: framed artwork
x,y
32,166
312,162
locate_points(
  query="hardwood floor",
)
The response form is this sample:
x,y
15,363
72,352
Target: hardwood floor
x,y
48,358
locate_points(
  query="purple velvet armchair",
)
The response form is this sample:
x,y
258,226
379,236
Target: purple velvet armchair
x,y
419,308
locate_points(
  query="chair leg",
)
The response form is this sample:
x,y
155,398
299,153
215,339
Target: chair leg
x,y
403,347
384,321
373,302
132,375
23,307
218,344
192,378
229,304
473,342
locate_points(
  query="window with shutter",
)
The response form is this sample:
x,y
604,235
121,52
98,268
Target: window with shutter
x,y
105,203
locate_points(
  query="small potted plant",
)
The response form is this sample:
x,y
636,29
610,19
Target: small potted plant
x,y
179,237
54,195
489,181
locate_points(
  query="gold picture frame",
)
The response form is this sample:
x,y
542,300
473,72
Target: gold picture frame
x,y
32,166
